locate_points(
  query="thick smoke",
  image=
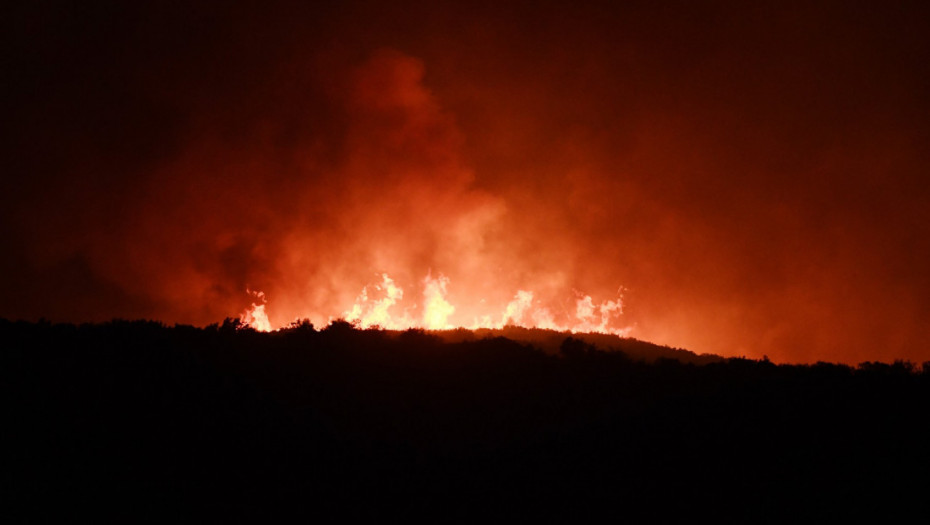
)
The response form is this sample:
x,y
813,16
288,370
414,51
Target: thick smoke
x,y
751,180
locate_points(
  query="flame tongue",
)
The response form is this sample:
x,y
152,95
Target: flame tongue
x,y
367,313
381,305
436,309
256,316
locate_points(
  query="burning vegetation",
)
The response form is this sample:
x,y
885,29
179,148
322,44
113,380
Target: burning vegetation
x,y
382,305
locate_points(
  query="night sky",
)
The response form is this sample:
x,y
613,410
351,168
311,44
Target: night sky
x,y
751,178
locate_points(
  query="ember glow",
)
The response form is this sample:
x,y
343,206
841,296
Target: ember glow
x,y
382,305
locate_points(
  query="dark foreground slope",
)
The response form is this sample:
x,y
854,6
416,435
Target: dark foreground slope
x,y
159,424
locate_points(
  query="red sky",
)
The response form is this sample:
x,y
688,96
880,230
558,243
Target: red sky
x,y
752,178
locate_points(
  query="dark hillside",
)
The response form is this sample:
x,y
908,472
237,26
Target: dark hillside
x,y
154,423
550,342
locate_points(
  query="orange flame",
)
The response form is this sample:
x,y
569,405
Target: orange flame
x,y
380,306
436,310
255,316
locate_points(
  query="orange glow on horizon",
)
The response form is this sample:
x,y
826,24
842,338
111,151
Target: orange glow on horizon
x,y
757,182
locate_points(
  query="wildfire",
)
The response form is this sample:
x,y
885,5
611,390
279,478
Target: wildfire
x,y
381,306
255,316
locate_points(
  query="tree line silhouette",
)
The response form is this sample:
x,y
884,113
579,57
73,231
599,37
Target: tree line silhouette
x,y
143,421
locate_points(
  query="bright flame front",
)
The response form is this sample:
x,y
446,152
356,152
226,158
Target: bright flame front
x,y
380,306
255,316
